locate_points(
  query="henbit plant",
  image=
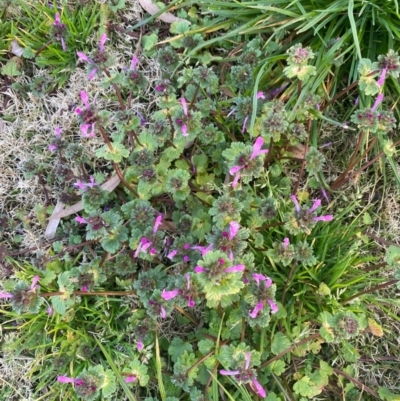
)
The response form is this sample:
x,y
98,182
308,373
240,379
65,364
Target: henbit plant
x,y
201,228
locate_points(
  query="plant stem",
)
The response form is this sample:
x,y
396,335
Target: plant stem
x,y
194,97
87,293
43,47
199,362
369,290
117,91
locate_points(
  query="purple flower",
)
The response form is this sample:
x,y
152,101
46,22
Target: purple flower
x,y
328,217
382,78
167,295
80,220
134,62
65,379
130,379
59,28
256,309
172,254
378,101
259,389
87,129
235,170
257,148
317,204
157,223
5,295
260,95
144,244
296,203
260,277
235,269
163,313
274,307
92,183
34,282
52,147
244,124
84,288
286,243
233,229
204,250
83,57
103,39
50,311
140,345
229,372
200,269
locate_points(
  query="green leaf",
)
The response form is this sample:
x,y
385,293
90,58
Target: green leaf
x,y
205,346
28,53
304,387
387,395
59,305
109,386
116,154
280,343
350,353
327,334
48,277
116,5
10,69
200,162
149,41
278,367
392,256
178,347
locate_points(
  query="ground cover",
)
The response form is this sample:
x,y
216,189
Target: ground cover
x,y
201,206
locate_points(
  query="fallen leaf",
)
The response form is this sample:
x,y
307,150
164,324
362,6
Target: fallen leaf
x,y
152,9
109,186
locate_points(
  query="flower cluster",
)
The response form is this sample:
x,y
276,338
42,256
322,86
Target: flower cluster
x,y
303,219
98,60
59,31
246,374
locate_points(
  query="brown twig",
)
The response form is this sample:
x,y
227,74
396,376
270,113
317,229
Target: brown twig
x,y
369,290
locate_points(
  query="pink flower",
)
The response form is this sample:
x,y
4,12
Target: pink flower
x,y
134,62
229,372
378,101
233,229
172,254
80,220
103,39
130,379
157,223
50,311
57,19
316,205
256,309
286,243
167,295
57,132
199,269
184,106
80,185
83,57
140,345
5,295
257,148
260,95
52,147
65,379
328,217
84,288
88,130
163,313
204,250
144,243
258,277
296,203
92,74
184,130
235,269
274,307
259,389
34,282
382,78
244,124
